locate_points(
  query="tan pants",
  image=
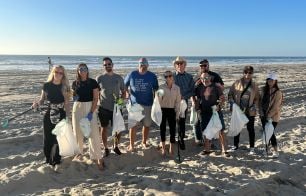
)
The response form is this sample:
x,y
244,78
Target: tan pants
x,y
79,111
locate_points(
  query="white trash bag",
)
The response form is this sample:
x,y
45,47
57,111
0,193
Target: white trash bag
x,y
238,120
193,116
134,114
156,112
118,121
183,108
267,132
214,125
66,139
85,127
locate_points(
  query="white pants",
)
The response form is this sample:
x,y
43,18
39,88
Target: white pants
x,y
79,111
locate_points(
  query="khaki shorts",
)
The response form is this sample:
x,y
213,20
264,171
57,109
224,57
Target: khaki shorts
x,y
146,121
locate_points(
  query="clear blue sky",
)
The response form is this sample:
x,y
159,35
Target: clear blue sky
x,y
157,27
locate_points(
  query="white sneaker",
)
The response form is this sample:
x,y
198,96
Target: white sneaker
x,y
252,151
275,154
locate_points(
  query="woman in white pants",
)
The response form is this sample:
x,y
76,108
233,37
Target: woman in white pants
x,y
85,96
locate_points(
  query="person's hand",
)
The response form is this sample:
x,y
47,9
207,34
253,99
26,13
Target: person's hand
x,y
75,98
89,116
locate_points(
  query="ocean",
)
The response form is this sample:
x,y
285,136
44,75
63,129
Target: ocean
x,y
40,62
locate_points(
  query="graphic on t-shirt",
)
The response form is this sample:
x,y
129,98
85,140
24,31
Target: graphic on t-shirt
x,y
140,85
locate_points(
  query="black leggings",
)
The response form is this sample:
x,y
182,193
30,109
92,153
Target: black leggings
x,y
251,130
182,122
272,140
51,149
168,114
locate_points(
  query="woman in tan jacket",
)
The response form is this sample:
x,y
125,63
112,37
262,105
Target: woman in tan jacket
x,y
270,107
245,93
170,104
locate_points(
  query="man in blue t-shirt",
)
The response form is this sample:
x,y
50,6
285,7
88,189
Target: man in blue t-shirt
x,y
141,84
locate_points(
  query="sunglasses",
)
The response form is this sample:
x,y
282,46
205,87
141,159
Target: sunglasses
x,y
248,72
179,63
108,64
143,64
83,69
168,76
58,72
203,65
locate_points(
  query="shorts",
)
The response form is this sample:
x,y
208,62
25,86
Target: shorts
x,y
105,116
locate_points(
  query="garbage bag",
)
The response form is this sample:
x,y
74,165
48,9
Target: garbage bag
x,y
66,139
118,121
156,112
267,132
193,116
238,120
135,114
85,127
214,125
183,108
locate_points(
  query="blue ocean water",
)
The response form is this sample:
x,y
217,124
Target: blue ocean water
x,y
40,62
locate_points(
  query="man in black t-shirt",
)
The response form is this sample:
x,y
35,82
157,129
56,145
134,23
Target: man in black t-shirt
x,y
217,80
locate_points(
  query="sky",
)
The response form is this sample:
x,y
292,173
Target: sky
x,y
153,28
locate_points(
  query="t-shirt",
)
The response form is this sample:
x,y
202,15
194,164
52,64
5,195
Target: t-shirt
x,y
110,85
212,93
84,89
142,87
215,78
53,92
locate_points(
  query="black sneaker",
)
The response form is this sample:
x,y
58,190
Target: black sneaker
x,y
106,152
182,145
117,151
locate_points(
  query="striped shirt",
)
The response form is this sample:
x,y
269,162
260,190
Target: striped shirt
x,y
186,84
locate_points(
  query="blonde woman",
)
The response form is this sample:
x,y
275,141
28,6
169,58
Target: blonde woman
x,y
55,94
86,93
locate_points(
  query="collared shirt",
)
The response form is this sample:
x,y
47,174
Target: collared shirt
x,y
186,84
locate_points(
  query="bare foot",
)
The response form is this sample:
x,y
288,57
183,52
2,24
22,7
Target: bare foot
x,y
100,164
130,148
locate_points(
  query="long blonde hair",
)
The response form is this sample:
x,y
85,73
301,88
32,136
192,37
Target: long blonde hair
x,y
64,81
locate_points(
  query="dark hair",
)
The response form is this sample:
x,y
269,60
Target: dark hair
x,y
266,89
107,59
204,61
248,68
78,77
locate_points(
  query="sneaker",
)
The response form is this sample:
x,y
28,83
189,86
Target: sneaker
x,y
275,154
182,145
117,151
106,152
234,148
225,154
252,151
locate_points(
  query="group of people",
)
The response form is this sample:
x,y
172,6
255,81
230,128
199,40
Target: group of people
x,y
94,99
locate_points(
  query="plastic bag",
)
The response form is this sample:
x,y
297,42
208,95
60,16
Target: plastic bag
x,y
183,108
193,116
267,132
118,121
66,139
156,112
237,122
214,125
85,127
134,114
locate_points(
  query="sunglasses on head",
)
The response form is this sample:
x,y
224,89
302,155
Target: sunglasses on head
x,y
205,78
107,64
83,69
248,72
168,76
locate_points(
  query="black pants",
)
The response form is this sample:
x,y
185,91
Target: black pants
x,y
168,115
251,130
272,140
182,122
51,149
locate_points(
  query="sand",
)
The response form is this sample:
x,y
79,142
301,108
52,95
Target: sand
x,y
146,172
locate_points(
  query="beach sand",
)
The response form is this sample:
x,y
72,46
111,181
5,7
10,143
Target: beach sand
x,y
146,172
